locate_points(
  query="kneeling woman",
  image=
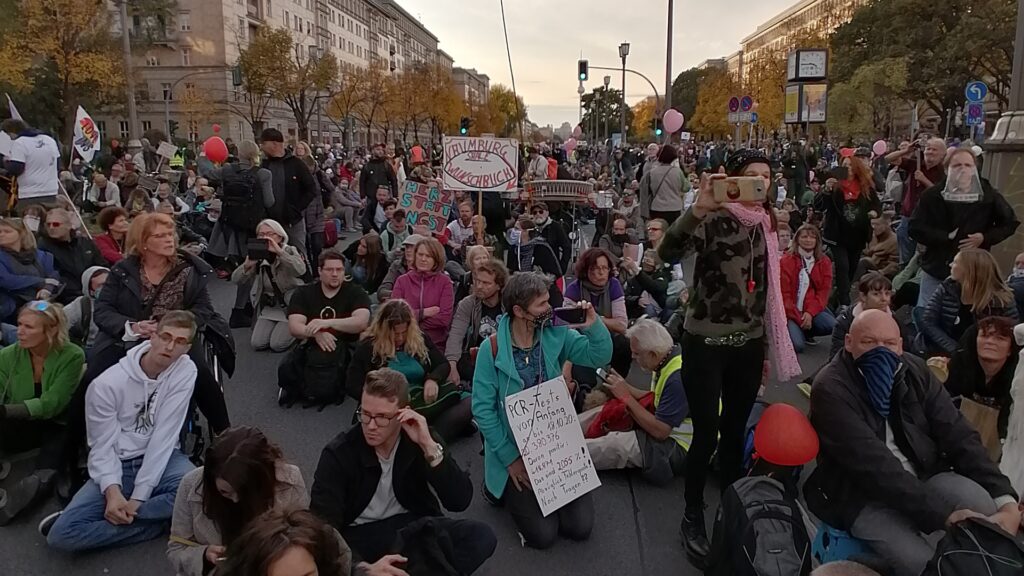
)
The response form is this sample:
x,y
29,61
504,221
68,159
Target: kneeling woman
x,y
245,476
39,375
529,352
394,340
806,284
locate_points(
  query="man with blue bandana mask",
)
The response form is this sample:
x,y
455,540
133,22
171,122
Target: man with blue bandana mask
x,y
891,439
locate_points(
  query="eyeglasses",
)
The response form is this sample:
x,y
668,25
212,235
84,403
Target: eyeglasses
x,y
167,338
380,420
654,229
54,224
600,268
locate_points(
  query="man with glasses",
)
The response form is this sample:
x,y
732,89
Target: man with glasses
x,y
134,412
72,255
392,471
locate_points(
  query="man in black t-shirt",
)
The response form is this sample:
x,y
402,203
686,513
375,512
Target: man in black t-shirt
x,y
331,309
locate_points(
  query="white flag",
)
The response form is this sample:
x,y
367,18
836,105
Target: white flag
x,y
87,135
14,111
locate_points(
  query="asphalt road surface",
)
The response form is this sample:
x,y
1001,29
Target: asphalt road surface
x,y
636,528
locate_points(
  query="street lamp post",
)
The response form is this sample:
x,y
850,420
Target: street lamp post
x,y
668,68
315,53
623,52
581,92
607,83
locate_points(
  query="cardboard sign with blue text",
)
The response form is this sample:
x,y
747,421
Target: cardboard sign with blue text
x,y
425,205
550,440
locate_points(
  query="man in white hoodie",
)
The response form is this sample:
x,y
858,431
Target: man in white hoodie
x,y
134,413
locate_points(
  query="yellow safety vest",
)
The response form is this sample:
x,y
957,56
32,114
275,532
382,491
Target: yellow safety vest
x,y
682,434
177,161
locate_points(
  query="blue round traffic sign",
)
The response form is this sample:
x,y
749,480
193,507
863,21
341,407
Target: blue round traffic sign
x,y
734,104
976,91
746,103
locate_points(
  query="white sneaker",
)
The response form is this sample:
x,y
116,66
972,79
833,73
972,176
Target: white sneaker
x,y
46,524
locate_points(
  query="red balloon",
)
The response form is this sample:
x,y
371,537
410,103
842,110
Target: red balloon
x,y
785,437
215,149
216,128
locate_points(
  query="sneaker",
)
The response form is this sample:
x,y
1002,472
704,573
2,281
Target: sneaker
x,y
46,524
695,537
805,388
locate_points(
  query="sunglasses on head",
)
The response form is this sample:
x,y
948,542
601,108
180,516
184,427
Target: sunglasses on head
x,y
38,305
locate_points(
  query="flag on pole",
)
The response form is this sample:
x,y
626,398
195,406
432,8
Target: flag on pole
x,y
87,136
14,111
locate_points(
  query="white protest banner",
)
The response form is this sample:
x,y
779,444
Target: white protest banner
x,y
5,143
425,205
167,150
488,164
87,135
550,440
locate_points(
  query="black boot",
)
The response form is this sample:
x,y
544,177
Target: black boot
x,y
695,537
239,318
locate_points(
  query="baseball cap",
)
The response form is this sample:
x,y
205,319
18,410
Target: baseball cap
x,y
541,205
413,240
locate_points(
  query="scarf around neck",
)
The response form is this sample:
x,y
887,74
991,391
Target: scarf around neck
x,y
780,347
598,297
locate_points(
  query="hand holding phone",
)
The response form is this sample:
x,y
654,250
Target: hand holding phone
x,y
568,316
740,189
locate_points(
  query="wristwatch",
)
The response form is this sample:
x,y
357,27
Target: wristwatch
x,y
438,455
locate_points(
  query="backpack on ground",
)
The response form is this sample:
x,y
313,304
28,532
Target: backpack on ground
x,y
977,547
316,379
759,531
242,198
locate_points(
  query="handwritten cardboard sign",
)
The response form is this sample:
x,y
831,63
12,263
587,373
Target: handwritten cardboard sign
x,y
425,205
551,443
167,150
489,164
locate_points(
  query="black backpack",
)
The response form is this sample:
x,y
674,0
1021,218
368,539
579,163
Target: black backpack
x,y
977,547
312,376
242,198
759,531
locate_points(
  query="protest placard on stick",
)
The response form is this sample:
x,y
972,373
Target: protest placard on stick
x,y
425,205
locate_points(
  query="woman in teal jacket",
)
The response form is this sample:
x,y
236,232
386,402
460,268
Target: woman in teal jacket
x,y
38,376
526,343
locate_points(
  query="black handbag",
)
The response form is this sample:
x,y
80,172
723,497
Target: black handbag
x,y
977,547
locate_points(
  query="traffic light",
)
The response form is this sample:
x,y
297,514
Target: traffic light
x,y
584,68
656,126
464,125
172,128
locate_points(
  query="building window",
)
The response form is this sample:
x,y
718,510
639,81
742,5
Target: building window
x,y
166,89
241,28
122,126
152,61
147,125
287,18
142,94
270,9
186,57
184,23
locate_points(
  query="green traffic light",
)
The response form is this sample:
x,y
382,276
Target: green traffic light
x,y
658,132
583,76
462,130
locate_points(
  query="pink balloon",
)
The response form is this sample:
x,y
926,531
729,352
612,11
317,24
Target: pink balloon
x,y
577,131
215,149
569,145
672,120
216,128
880,148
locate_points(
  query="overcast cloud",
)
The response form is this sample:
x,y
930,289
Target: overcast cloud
x,y
547,36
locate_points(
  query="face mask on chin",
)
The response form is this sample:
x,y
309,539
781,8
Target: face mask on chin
x,y
515,236
1017,272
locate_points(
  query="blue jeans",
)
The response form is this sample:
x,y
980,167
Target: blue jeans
x,y
82,526
821,325
929,284
907,245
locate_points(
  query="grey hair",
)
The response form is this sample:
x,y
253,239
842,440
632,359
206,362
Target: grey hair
x,y
249,152
651,336
843,568
522,289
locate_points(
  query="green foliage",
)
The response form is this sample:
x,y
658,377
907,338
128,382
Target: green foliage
x,y
863,105
606,106
684,91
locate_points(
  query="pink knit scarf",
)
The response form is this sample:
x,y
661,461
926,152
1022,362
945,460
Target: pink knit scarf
x,y
780,347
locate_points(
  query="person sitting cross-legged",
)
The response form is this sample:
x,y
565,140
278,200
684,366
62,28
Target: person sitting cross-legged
x,y
659,440
898,461
390,472
134,414
806,284
476,318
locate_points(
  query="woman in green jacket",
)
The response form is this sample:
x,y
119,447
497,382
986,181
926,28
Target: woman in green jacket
x,y
38,376
530,351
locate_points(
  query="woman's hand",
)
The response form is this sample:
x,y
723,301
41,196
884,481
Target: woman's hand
x,y
806,321
43,294
430,390
144,329
517,473
431,311
591,315
706,203
215,554
274,247
249,264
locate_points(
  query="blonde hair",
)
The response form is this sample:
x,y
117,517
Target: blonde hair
x,y
394,313
794,246
982,282
28,240
55,322
472,251
142,228
249,151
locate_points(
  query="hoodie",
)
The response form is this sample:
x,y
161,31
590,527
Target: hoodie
x,y
82,307
129,415
423,291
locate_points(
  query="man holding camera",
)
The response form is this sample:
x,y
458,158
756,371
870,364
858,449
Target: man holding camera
x,y
921,176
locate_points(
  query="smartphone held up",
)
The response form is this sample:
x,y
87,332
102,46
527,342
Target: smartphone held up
x,y
740,189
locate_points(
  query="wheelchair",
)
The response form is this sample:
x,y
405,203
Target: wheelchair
x,y
196,433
